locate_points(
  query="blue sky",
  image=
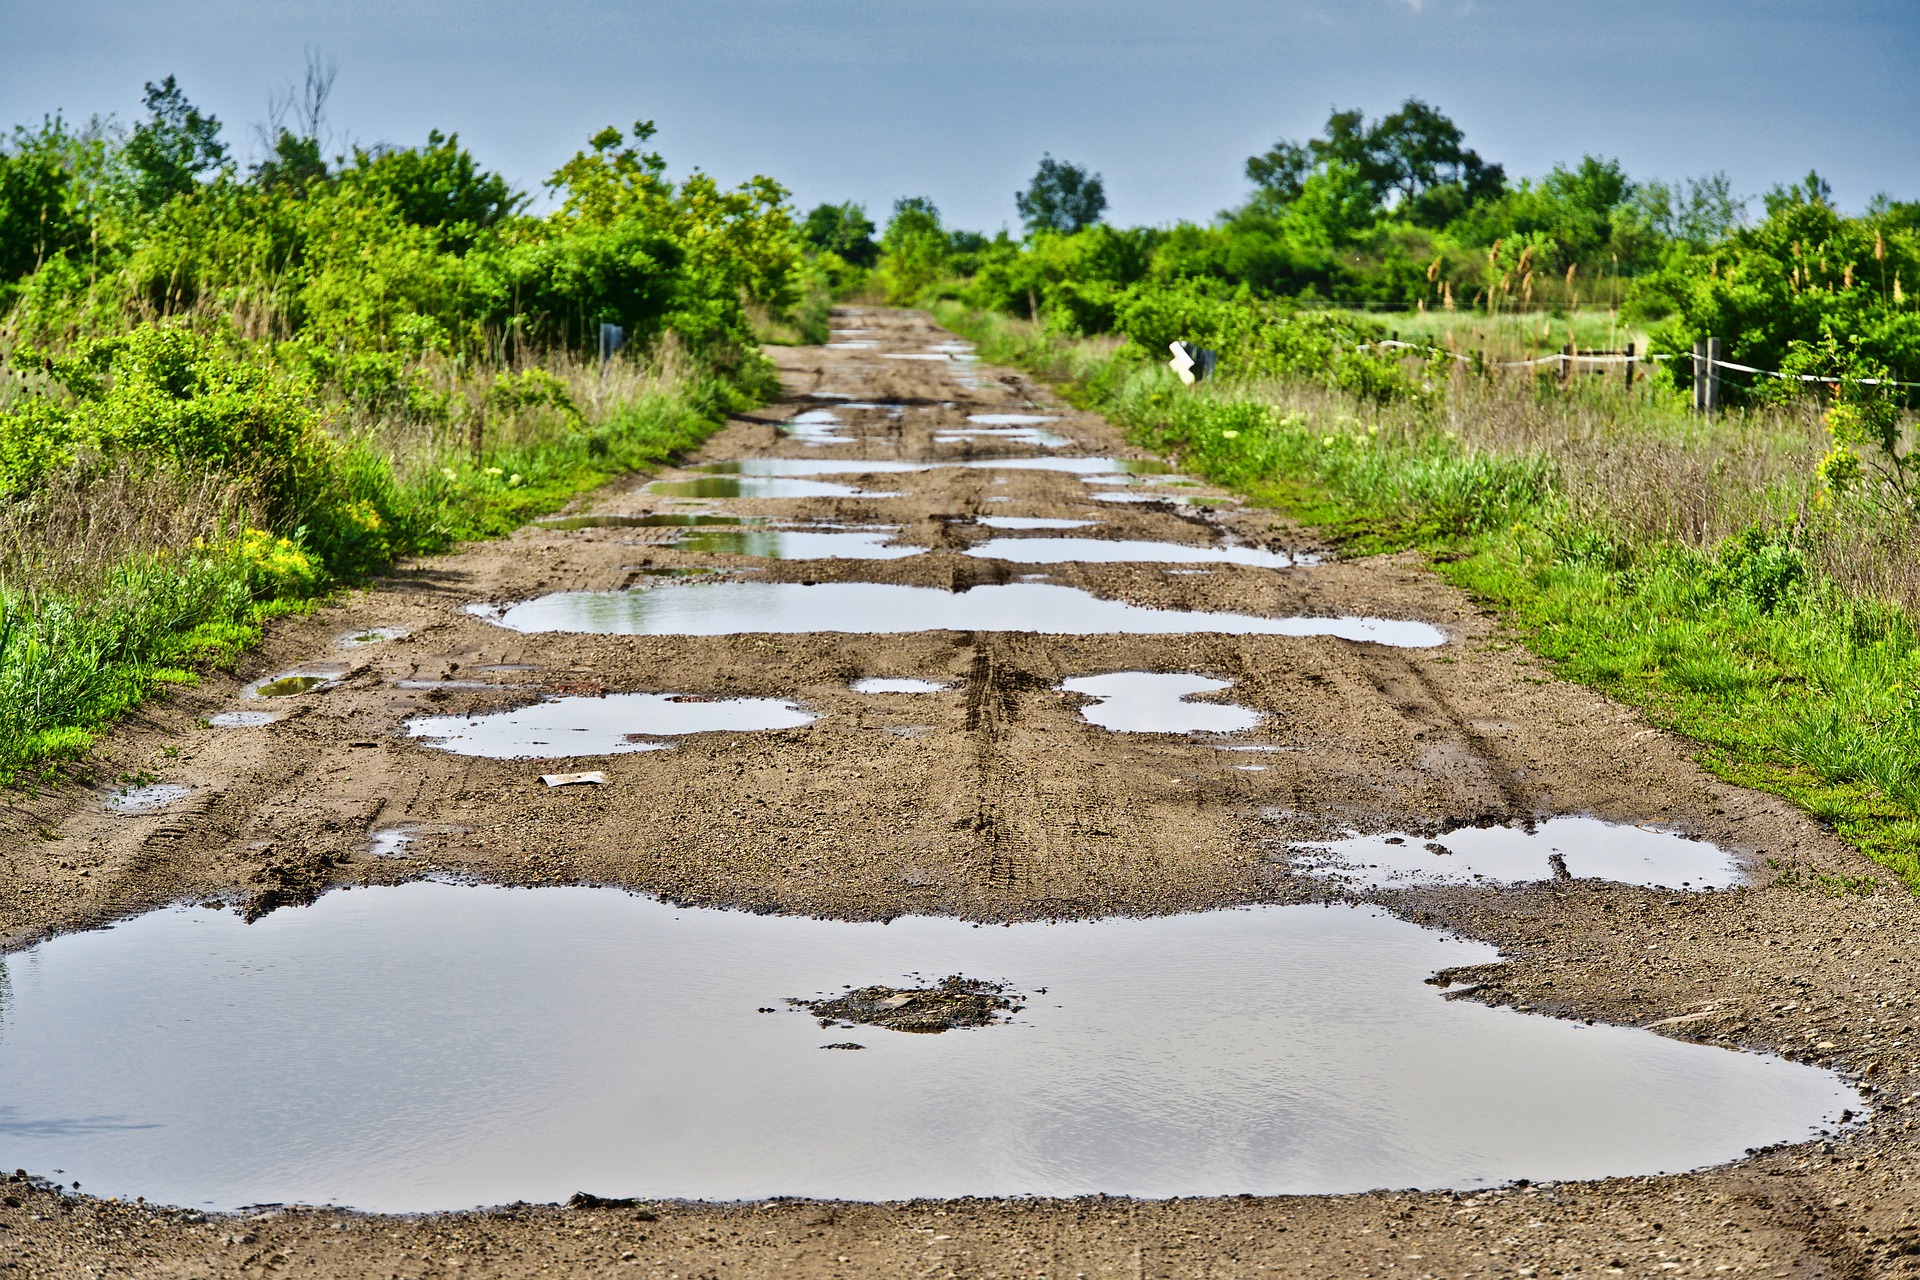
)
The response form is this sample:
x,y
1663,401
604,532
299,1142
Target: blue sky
x,y
873,99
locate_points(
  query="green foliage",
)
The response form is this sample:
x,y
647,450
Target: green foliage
x,y
843,230
1063,197
914,252
169,151
1778,292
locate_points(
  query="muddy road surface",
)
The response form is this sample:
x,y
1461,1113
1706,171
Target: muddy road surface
x,y
920,640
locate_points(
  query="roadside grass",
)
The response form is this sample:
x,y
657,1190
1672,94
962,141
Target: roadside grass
x,y
1679,565
120,576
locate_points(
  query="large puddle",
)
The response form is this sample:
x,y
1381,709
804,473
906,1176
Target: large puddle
x,y
871,608
782,468
604,726
1120,550
439,1046
1153,702
735,486
1556,848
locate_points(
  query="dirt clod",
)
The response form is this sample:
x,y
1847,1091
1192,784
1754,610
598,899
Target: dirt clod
x,y
954,1001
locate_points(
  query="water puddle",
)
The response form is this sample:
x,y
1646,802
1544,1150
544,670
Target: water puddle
x,y
786,467
816,428
858,344
1003,435
1012,419
1170,499
436,1046
734,486
134,800
890,684
872,608
242,719
1152,702
800,544
615,724
1558,848
1031,522
1119,551
390,842
915,355
291,684
659,520
371,636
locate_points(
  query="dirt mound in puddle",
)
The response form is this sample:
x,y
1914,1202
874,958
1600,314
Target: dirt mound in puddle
x,y
954,1001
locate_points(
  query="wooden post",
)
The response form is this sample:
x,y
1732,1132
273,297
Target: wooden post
x,y
1629,366
1713,375
1700,376
1566,366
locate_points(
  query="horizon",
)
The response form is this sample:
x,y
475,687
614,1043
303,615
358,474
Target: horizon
x,y
1165,113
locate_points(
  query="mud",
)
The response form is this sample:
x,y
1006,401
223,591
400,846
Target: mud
x,y
994,801
954,1001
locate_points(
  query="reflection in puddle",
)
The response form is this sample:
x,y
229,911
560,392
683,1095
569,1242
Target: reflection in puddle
x,y
1116,551
872,608
726,486
372,635
668,520
1558,848
857,345
1003,435
291,684
816,427
782,467
433,1046
1151,702
905,684
242,719
799,544
612,725
145,799
1011,419
1031,522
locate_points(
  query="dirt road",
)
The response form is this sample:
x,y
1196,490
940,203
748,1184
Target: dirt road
x,y
995,800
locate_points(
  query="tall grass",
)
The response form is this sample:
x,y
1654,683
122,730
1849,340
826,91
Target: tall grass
x,y
120,575
1684,565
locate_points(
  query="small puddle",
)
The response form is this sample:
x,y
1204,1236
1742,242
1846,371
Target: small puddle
x,y
1558,848
789,467
872,608
1152,702
437,1046
892,684
390,842
1012,419
659,520
242,719
1031,522
914,355
1117,551
1171,499
1003,435
291,684
816,427
612,725
734,486
132,800
859,344
800,544
371,636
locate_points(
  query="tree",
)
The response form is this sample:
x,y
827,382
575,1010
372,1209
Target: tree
x,y
1414,158
914,250
1062,197
39,217
171,149
438,186
842,229
294,157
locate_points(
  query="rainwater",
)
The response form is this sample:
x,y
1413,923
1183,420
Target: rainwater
x,y
1575,848
440,1046
1153,702
612,725
872,608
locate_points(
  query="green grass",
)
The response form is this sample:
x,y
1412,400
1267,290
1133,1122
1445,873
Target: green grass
x,y
1788,684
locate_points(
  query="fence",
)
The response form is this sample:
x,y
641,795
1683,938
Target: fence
x,y
1706,358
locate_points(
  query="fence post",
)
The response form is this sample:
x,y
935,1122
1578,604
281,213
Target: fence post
x,y
1700,376
1713,375
1566,366
1629,366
